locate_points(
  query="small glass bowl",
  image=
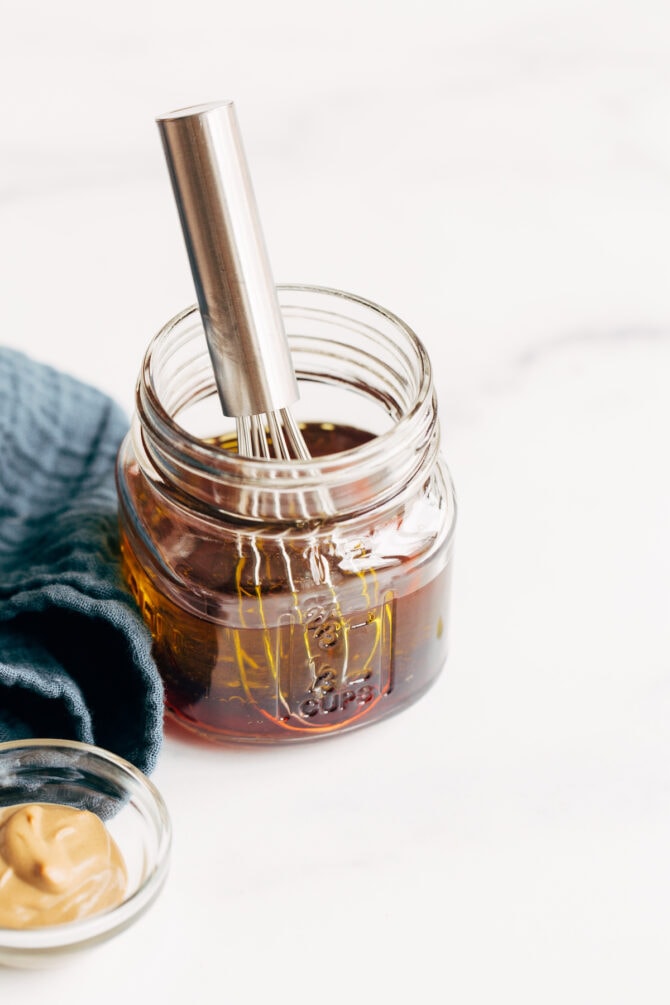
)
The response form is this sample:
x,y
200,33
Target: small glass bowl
x,y
87,777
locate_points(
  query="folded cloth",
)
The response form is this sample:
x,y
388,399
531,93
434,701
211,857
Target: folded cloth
x,y
75,656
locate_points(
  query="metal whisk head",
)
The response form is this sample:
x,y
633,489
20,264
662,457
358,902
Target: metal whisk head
x,y
275,435
236,293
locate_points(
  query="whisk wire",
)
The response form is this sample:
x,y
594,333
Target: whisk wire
x,y
282,439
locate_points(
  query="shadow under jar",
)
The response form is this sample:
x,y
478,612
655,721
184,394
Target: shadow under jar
x,y
291,599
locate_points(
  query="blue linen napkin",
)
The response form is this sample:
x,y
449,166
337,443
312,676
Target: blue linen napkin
x,y
75,656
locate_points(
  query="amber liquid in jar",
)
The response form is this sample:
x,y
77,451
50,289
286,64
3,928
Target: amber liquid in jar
x,y
299,645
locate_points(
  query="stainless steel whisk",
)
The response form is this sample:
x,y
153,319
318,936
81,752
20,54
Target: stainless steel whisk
x,y
236,293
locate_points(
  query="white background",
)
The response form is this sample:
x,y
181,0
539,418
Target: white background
x,y
497,173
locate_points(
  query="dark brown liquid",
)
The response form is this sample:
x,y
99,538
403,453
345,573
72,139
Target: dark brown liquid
x,y
284,655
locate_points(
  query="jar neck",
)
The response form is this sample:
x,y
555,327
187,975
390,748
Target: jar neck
x,y
353,356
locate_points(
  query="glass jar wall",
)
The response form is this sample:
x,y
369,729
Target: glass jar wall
x,y
291,599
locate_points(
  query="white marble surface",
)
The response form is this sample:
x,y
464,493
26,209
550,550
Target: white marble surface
x,y
498,173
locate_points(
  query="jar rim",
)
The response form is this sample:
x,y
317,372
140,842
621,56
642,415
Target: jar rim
x,y
418,422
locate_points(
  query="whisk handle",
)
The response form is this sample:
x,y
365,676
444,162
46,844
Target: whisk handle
x,y
226,249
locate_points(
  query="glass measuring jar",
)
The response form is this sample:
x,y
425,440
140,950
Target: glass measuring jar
x,y
291,599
